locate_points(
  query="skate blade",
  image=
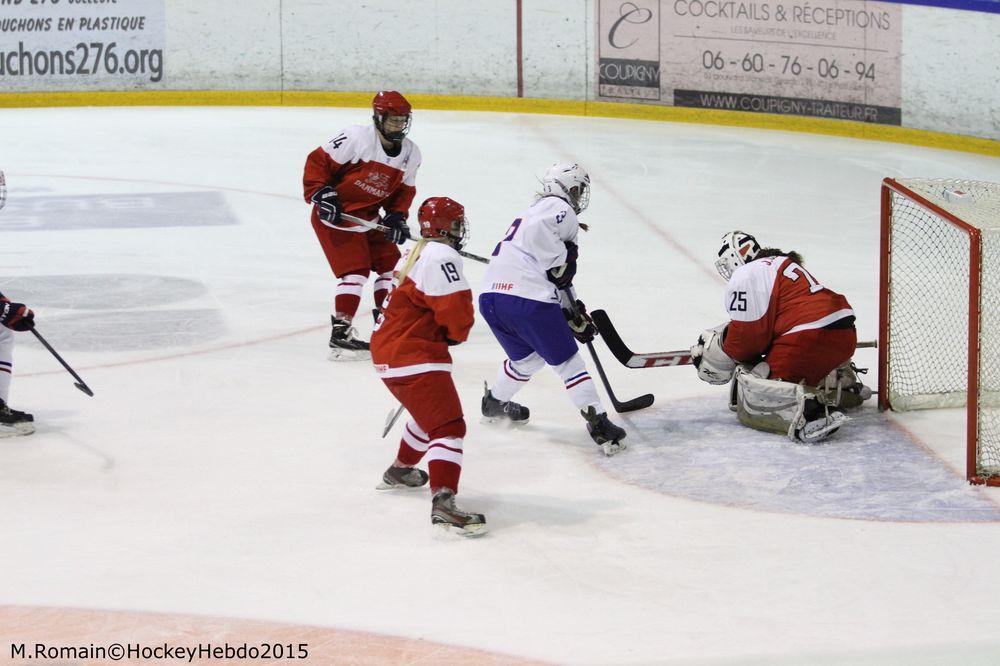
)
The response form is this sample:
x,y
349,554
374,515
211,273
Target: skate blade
x,y
339,354
446,531
611,448
16,430
503,421
397,486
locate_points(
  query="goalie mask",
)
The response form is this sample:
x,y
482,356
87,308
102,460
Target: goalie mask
x,y
738,248
392,115
569,182
441,217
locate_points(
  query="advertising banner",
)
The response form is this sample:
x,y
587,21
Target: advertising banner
x,y
81,44
823,58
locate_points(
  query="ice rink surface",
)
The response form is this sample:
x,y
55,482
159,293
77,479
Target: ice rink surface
x,y
226,469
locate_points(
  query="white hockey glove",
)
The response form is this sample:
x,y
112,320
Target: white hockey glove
x,y
714,365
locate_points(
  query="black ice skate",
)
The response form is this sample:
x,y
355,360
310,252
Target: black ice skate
x,y
495,410
402,477
14,423
605,434
344,342
447,516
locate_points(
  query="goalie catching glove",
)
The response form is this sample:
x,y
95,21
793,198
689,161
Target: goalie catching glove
x,y
580,323
714,365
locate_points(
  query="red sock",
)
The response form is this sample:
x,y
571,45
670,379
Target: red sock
x,y
444,474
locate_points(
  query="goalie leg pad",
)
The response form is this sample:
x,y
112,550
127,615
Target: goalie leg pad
x,y
784,408
769,405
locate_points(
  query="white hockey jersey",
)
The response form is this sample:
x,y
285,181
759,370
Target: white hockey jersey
x,y
534,243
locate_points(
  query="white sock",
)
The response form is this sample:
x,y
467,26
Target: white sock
x,y
513,375
578,384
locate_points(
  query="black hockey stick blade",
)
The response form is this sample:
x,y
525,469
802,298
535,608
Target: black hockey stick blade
x,y
635,404
80,384
626,356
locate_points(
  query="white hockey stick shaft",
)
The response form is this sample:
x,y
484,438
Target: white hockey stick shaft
x,y
375,224
391,418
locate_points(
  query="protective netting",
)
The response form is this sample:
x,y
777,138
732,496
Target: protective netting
x,y
929,304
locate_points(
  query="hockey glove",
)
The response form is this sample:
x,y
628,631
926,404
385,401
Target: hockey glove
x,y
398,232
580,323
327,204
562,276
16,316
714,365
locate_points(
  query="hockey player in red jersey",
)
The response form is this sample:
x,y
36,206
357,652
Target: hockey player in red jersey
x,y
789,343
363,169
429,310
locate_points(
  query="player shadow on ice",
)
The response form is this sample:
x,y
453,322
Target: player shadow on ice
x,y
133,330
870,470
107,291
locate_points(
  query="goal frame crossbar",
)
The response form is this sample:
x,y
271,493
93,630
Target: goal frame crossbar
x,y
890,185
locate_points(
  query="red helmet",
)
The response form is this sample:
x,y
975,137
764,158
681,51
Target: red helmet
x,y
389,103
443,217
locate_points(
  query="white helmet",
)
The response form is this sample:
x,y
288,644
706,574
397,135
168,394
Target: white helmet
x,y
737,249
569,182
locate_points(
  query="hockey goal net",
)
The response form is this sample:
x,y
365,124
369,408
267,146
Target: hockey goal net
x,y
939,307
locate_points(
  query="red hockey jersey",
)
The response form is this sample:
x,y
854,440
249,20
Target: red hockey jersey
x,y
775,296
431,306
355,164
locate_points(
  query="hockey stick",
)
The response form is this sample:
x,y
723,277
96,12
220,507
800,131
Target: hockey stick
x,y
640,402
634,360
391,418
80,384
374,224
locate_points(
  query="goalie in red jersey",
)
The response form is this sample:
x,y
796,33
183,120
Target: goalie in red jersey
x,y
362,170
787,347
429,310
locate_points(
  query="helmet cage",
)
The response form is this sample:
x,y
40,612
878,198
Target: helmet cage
x,y
738,248
569,182
395,136
388,104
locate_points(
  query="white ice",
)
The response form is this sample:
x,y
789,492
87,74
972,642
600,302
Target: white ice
x,y
226,468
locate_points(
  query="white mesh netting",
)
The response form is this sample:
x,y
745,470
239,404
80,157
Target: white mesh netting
x,y
929,304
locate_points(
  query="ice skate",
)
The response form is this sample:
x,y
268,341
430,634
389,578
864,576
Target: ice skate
x,y
344,342
510,412
817,430
14,423
451,519
605,434
402,477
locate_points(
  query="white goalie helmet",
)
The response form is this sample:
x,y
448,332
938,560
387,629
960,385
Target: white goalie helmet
x,y
569,182
738,248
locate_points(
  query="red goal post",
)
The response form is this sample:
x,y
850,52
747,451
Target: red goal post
x,y
939,307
